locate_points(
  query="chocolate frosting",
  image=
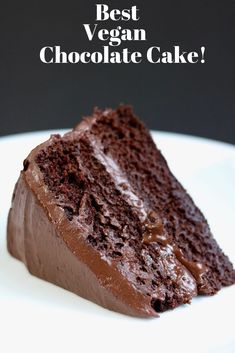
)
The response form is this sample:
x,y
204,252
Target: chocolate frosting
x,y
154,232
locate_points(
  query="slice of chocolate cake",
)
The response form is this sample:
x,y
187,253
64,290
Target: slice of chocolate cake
x,y
98,212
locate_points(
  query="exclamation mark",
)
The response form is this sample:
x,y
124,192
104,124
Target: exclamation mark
x,y
203,53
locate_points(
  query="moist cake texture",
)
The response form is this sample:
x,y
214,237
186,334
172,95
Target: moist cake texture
x,y
98,212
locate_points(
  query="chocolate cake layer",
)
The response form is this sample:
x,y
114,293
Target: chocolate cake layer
x,y
99,213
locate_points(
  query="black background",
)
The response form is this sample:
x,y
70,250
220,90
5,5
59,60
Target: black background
x,y
196,99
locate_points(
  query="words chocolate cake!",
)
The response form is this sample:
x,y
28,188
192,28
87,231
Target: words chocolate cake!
x,y
98,212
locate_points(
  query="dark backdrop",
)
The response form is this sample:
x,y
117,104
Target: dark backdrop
x,y
196,99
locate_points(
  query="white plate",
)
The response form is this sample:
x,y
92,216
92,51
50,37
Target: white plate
x,y
36,316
